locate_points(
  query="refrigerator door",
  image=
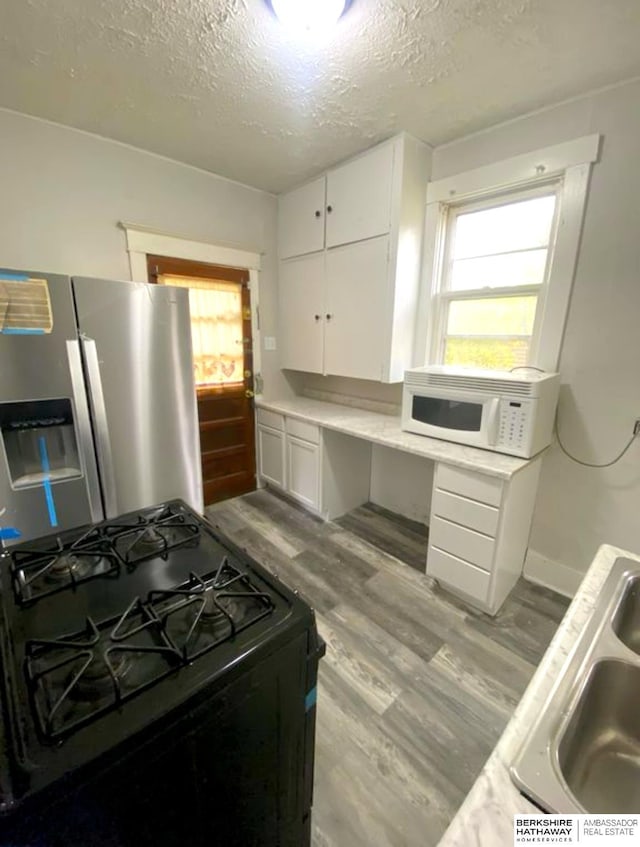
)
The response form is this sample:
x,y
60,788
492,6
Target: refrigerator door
x,y
48,475
136,341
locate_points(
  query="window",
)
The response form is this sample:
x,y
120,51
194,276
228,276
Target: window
x,y
216,328
496,257
500,250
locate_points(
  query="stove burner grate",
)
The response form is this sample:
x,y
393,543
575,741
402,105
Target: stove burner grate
x,y
38,573
152,534
76,678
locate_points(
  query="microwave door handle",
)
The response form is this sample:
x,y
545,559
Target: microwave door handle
x,y
494,417
83,430
101,426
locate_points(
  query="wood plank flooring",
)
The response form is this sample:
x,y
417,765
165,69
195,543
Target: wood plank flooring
x,y
415,688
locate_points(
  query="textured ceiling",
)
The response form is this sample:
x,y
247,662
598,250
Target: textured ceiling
x,y
220,85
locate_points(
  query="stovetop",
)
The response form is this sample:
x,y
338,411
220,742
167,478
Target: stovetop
x,y
100,618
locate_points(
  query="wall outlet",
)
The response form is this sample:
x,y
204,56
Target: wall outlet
x,y
269,342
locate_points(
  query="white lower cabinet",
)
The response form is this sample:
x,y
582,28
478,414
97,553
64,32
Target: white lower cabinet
x,y
479,531
303,472
289,456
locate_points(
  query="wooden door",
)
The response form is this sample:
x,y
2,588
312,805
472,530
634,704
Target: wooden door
x,y
301,313
301,219
219,298
359,197
357,329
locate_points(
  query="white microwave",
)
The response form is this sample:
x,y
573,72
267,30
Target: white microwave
x,y
508,412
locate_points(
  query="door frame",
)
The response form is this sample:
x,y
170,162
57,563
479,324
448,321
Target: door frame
x,y
144,241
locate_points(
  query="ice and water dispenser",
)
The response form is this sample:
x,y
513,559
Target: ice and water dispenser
x,y
39,441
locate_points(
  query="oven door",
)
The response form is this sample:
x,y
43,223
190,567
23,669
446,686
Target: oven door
x,y
451,415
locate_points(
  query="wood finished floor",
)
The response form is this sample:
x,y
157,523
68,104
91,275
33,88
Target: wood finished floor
x,y
415,688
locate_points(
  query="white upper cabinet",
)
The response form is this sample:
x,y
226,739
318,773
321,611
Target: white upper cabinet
x,y
348,287
301,219
301,312
359,197
357,279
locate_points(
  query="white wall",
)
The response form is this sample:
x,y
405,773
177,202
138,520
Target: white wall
x,y
64,192
577,508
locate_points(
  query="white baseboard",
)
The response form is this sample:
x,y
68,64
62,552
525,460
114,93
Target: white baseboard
x,y
550,574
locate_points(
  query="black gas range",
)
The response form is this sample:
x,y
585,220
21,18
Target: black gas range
x,y
158,687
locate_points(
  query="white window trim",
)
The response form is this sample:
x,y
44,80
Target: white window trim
x,y
570,161
143,241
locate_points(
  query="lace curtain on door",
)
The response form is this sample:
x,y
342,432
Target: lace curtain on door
x,y
216,328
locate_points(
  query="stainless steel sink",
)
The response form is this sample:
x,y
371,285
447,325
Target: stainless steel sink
x,y
583,753
626,623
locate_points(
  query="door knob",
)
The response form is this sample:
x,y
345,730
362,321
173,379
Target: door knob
x,y
249,394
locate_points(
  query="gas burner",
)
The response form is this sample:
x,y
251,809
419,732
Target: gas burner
x,y
206,611
39,571
71,566
152,534
101,677
75,679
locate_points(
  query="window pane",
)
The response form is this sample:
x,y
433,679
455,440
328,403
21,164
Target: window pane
x,y
501,316
216,328
509,269
513,226
495,353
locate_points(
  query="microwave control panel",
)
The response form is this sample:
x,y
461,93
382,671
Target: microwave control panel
x,y
513,423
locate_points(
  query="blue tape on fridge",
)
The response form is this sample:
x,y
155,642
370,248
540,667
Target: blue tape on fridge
x,y
48,490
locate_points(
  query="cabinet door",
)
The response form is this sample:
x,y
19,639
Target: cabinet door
x,y
301,220
359,197
271,456
301,313
356,327
303,471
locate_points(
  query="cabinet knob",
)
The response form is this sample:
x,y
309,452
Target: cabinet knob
x,y
318,213
317,317
329,209
328,316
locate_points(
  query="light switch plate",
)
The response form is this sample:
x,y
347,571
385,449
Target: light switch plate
x,y
269,342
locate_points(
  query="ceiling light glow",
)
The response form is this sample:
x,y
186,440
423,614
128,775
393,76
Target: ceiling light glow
x,y
311,16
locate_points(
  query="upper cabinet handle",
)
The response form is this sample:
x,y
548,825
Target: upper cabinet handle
x,y
318,213
329,209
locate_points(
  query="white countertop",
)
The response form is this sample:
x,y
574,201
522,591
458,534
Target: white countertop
x,y
486,816
385,430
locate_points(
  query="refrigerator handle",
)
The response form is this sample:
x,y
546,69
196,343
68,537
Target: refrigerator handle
x,y
101,426
83,429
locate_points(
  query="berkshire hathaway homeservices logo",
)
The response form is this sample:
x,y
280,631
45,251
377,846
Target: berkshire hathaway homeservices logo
x,y
582,830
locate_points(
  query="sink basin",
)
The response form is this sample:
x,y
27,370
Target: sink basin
x,y
599,751
583,752
626,623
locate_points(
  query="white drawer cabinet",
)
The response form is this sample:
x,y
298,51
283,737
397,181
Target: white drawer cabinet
x,y
479,531
347,301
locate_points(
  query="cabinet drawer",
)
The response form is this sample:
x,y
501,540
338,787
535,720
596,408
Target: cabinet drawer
x,y
465,543
272,419
305,431
469,513
458,574
477,486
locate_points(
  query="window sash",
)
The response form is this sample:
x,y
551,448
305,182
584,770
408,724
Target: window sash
x,y
443,295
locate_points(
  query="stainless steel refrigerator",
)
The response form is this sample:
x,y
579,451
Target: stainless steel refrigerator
x,y
98,410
